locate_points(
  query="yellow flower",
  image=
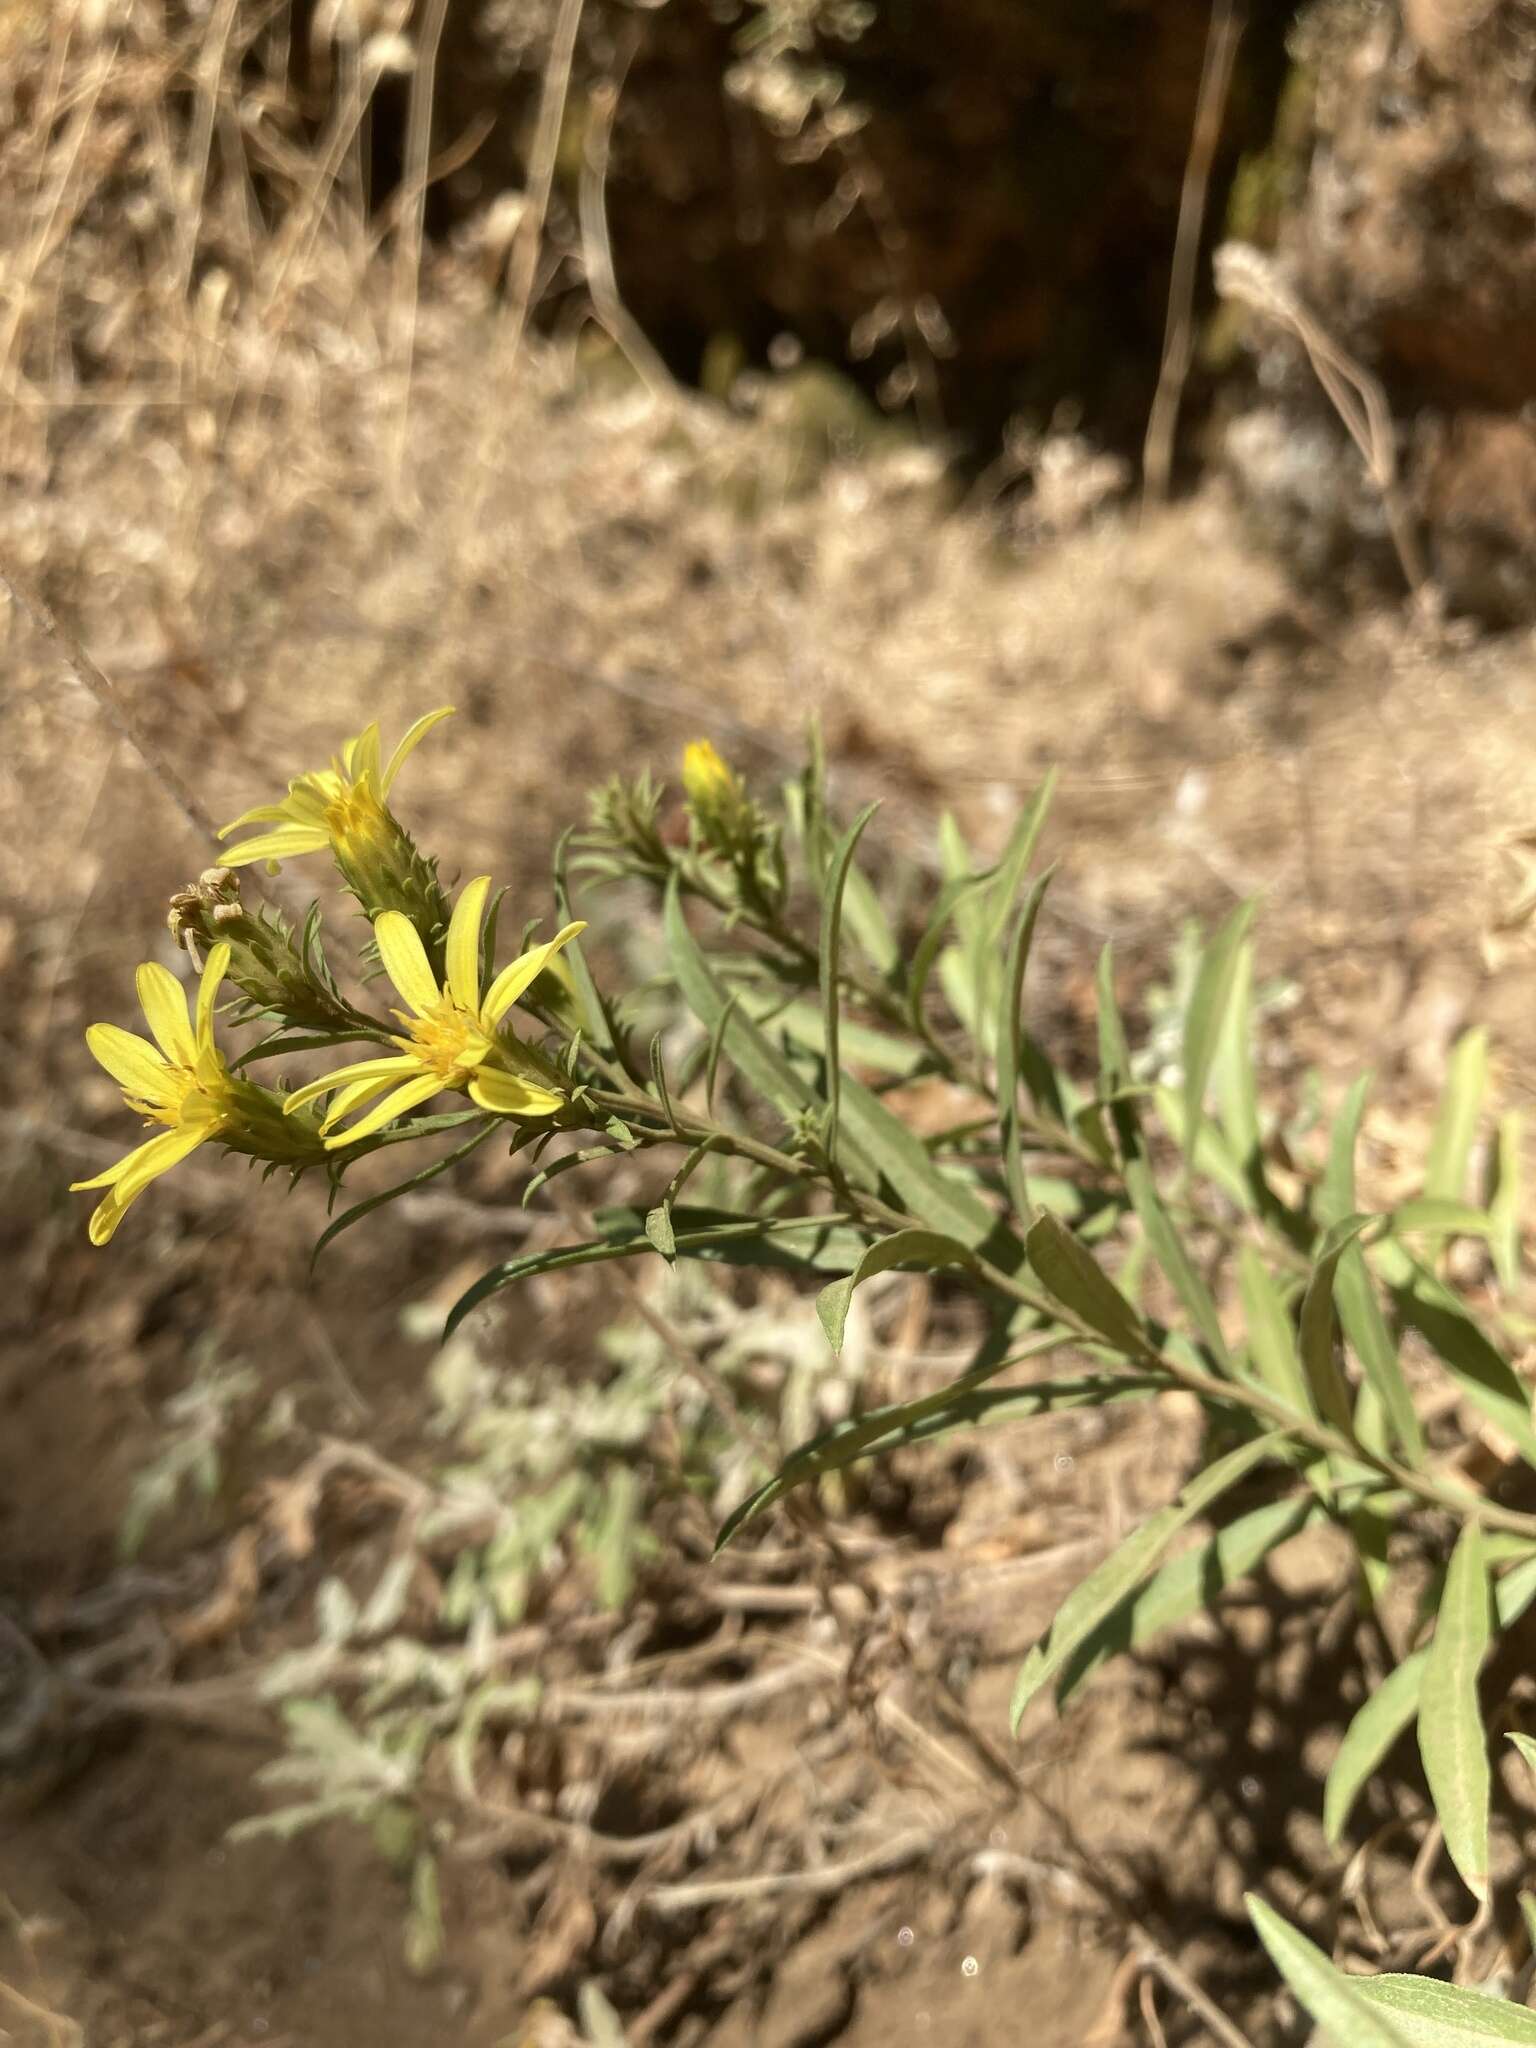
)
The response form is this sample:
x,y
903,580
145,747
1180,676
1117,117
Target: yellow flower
x,y
711,783
187,1086
453,1037
342,807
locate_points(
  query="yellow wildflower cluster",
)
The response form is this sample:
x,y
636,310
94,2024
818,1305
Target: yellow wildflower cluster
x,y
452,1036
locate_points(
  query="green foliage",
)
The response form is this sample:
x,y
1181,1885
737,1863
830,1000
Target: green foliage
x,y
1133,1209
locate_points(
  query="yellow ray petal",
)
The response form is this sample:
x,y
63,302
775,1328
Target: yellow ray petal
x,y
132,1061
405,961
385,1112
408,745
130,1175
288,842
164,1003
262,814
464,944
510,1095
524,970
355,1094
215,967
384,1070
361,756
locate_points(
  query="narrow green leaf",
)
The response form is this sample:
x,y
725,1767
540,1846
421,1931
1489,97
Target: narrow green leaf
x,y
1335,2001
1434,1216
761,1065
1206,1019
1010,1038
1425,1304
942,1199
955,891
1118,1577
1452,1739
1237,1092
1429,2013
870,925
1456,1124
1527,1903
963,1404
1336,1195
1388,1710
1328,1390
1188,1583
1271,1334
1391,1708
1168,1249
1367,1334
595,1021
733,1240
404,1187
831,944
1078,1281
1505,1202
659,1082
1114,1052
926,1250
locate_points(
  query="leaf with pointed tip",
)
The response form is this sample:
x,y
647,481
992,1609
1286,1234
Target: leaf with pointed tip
x,y
1010,1036
831,945
1335,2001
1430,2013
1450,1148
1316,1333
1271,1333
926,1250
1206,1020
1425,1304
1122,1572
1187,1583
1080,1284
1504,1203
962,1405
1392,1706
417,1180
1452,1739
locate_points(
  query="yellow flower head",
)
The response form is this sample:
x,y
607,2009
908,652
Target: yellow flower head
x,y
452,1037
721,807
343,807
183,1082
710,782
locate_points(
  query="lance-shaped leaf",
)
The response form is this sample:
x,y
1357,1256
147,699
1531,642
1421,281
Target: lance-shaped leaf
x,y
1456,1124
802,1243
757,1059
831,963
417,1180
1187,1583
1452,1739
1431,2014
1080,1284
1205,1021
1010,1040
1336,2002
964,1404
1424,1303
1504,1203
1118,1577
942,1199
1316,1335
1391,1707
1271,1334
924,1250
